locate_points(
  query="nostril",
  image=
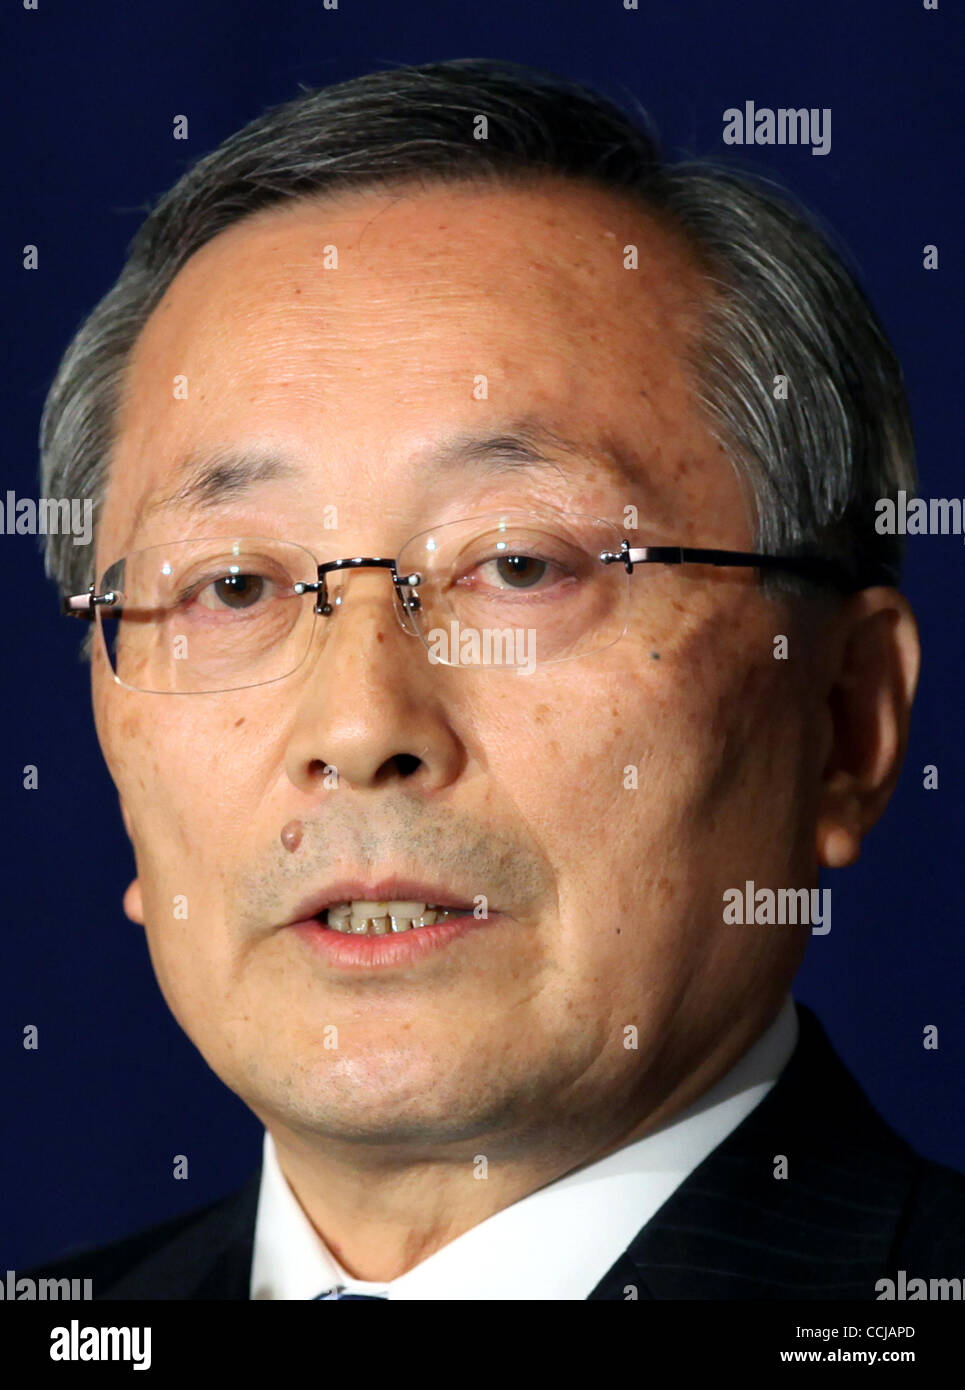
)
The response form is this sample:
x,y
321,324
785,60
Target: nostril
x,y
407,763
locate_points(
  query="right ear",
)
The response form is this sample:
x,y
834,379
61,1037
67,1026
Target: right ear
x,y
134,903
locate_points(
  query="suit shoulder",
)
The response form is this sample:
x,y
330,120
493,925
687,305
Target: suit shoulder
x,y
105,1264
931,1237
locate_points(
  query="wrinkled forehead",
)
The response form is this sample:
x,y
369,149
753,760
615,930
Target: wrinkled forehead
x,y
355,333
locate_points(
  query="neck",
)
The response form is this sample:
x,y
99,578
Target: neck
x,y
381,1210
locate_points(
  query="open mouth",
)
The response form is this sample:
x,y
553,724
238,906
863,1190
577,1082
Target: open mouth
x,y
383,918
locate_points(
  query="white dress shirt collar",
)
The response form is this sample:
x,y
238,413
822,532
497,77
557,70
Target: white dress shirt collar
x,y
558,1242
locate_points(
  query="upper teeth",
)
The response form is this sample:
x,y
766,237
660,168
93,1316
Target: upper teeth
x,y
380,918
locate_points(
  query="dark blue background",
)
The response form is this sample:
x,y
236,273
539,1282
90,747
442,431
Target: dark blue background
x,y
115,1089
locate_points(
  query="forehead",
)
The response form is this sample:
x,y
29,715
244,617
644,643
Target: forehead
x,y
361,325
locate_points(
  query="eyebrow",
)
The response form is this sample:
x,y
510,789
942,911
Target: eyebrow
x,y
529,445
227,475
208,481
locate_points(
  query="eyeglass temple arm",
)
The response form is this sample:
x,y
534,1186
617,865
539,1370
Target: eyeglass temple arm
x,y
810,567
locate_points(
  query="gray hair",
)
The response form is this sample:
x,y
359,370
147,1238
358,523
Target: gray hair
x,y
781,300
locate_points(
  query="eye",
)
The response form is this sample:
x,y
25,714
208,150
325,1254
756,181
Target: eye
x,y
519,571
514,572
235,591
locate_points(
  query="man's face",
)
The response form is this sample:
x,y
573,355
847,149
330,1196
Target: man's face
x,y
517,788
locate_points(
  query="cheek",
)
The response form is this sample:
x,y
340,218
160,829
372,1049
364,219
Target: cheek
x,y
177,766
747,707
559,749
728,750
132,743
634,759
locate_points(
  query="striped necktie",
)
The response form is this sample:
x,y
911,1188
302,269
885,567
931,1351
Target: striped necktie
x,y
341,1295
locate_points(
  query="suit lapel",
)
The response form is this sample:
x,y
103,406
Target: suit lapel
x,y
734,1230
209,1259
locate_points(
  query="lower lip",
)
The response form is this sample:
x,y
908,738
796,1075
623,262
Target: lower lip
x,y
395,948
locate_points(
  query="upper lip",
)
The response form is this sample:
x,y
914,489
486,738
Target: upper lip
x,y
386,889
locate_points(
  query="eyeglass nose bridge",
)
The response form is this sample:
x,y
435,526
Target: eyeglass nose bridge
x,y
409,602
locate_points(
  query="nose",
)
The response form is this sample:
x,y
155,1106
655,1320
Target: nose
x,y
370,704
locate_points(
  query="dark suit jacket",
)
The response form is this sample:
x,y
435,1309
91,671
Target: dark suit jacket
x,y
857,1205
